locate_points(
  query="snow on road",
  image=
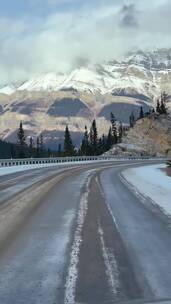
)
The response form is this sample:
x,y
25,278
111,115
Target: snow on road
x,y
74,259
14,169
152,182
20,168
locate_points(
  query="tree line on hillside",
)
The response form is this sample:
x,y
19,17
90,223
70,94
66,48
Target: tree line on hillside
x,y
92,144
160,109
21,149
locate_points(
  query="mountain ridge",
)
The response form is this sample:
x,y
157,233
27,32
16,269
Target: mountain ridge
x,y
47,103
141,70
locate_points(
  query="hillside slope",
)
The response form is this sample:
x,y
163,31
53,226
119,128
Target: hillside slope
x,y
149,136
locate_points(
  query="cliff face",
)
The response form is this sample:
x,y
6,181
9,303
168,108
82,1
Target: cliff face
x,y
150,136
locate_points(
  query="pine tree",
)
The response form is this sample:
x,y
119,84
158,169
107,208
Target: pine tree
x,y
41,142
114,129
8,150
38,147
12,151
49,152
85,147
59,153
132,120
120,132
31,143
158,107
163,108
21,135
21,140
161,105
100,146
104,143
31,146
69,149
109,139
94,138
141,115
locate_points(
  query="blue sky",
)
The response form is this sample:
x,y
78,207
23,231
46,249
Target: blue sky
x,y
18,8
39,36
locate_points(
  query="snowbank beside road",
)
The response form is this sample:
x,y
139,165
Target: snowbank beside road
x,y
152,182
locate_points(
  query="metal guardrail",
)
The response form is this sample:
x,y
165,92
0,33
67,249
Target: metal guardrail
x,y
76,159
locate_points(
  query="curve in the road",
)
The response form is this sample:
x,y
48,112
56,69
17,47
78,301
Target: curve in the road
x,y
90,240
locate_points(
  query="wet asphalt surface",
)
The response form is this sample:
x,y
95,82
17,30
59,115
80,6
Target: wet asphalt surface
x,y
90,240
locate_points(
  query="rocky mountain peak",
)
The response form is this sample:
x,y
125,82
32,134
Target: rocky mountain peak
x,y
156,59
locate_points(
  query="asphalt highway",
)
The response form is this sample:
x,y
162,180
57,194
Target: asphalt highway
x,y
80,235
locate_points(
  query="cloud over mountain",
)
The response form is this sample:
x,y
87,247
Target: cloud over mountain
x,y
70,33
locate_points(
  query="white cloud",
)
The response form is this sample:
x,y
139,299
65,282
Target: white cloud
x,y
63,39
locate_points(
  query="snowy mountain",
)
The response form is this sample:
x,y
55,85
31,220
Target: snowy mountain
x,y
8,90
49,101
144,72
47,82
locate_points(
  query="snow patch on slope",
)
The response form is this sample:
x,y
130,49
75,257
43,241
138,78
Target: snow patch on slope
x,y
46,82
8,90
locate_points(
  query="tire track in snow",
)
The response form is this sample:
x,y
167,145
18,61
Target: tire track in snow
x,y
112,271
70,285
110,264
